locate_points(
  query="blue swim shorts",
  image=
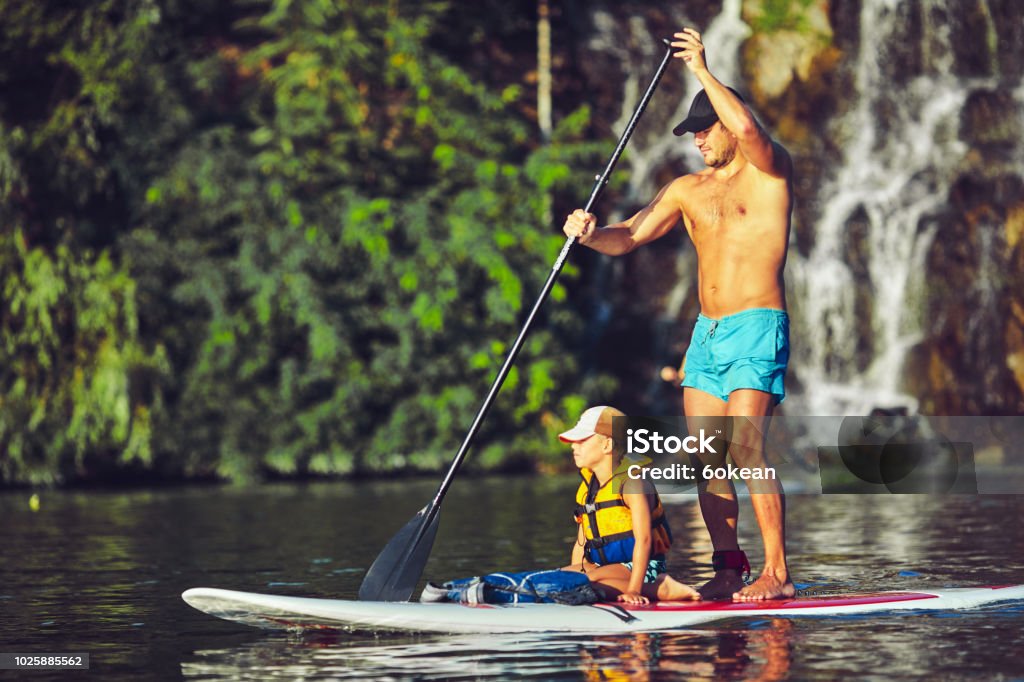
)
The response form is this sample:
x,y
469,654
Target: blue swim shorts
x,y
747,350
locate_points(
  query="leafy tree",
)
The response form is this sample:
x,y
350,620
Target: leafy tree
x,y
72,365
272,238
354,243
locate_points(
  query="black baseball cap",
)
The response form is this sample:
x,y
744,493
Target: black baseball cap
x,y
702,115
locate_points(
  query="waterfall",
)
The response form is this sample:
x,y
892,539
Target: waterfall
x,y
901,155
857,289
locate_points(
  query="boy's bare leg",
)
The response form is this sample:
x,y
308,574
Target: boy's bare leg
x,y
613,579
667,588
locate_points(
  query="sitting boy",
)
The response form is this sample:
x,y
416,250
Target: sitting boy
x,y
623,535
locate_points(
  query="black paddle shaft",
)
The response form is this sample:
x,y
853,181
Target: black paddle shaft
x,y
599,185
397,569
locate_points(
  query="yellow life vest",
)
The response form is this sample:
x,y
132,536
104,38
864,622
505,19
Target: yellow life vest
x,y
608,523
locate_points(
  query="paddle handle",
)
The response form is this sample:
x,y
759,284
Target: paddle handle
x,y
599,186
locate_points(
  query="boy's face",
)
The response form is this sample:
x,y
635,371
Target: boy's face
x,y
589,452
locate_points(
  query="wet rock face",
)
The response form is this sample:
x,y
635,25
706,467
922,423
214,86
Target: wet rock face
x,y
991,121
786,42
972,358
790,50
857,256
1006,18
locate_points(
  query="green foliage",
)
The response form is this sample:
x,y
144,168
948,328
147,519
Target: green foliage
x,y
769,16
268,238
70,362
73,371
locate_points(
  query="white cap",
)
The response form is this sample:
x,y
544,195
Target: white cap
x,y
595,420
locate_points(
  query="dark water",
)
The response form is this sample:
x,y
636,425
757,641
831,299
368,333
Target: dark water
x,y
101,573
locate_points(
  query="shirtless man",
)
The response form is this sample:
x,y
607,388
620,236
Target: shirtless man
x,y
737,213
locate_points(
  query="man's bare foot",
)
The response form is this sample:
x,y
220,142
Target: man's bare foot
x,y
769,586
670,589
725,583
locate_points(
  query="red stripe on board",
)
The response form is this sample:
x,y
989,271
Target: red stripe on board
x,y
782,604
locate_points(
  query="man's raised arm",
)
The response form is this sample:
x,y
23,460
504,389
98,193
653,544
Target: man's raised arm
x,y
767,156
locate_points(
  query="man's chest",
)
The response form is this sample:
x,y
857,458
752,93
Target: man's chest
x,y
719,205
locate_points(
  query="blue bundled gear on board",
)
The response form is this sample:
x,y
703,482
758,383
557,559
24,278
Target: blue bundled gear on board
x,y
527,587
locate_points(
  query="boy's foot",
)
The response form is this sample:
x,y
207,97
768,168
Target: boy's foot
x,y
724,585
670,589
768,586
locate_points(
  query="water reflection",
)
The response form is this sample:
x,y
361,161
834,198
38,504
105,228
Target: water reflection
x,y
762,652
102,573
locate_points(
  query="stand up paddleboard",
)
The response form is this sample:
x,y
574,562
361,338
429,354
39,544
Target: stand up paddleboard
x,y
276,612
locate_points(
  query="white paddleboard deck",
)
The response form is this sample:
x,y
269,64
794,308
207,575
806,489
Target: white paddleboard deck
x,y
277,612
